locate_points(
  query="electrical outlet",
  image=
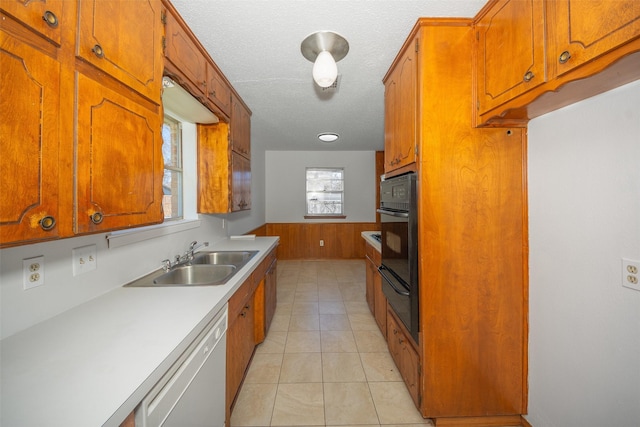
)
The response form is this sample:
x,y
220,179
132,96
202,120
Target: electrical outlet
x,y
321,242
84,259
33,272
631,274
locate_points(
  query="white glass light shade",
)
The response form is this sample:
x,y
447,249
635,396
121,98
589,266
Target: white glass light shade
x,y
325,69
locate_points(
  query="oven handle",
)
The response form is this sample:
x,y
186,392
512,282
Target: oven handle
x,y
393,213
384,276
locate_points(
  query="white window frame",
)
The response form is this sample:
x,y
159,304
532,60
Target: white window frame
x,y
177,169
309,193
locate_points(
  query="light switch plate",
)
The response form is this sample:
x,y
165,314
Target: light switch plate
x,y
84,259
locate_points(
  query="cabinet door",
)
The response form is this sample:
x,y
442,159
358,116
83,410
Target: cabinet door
x,y
186,63
583,30
43,17
510,57
270,294
240,346
119,161
401,111
380,303
218,91
405,357
29,140
371,271
240,128
124,39
240,183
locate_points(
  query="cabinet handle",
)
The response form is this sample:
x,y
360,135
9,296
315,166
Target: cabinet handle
x,y
564,57
528,76
47,223
203,83
97,217
97,49
212,94
51,19
243,314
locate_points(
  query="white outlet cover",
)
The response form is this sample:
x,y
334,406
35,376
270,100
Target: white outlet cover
x,y
33,272
628,277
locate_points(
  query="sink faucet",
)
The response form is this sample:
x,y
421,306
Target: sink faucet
x,y
167,265
192,247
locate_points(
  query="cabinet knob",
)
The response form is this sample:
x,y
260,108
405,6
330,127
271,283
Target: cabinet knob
x,y
528,76
50,18
97,49
564,57
47,223
97,217
212,94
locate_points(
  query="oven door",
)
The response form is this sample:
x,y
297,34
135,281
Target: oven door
x,y
398,281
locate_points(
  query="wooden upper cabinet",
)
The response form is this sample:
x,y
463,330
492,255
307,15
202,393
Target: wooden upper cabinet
x,y
511,50
401,109
218,91
240,183
43,17
184,60
29,143
119,161
124,40
240,127
583,30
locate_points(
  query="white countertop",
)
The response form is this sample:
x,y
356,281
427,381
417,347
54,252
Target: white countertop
x,y
366,235
93,364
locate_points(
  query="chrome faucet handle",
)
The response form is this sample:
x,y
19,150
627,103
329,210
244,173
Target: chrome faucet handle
x,y
166,264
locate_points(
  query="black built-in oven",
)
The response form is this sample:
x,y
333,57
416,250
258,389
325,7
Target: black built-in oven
x,y
399,230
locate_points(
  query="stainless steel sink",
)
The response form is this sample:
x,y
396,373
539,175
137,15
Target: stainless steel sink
x,y
237,258
208,268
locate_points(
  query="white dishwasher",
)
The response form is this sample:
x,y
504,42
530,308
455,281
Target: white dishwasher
x,y
192,393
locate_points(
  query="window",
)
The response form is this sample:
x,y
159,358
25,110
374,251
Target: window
x,y
325,192
172,180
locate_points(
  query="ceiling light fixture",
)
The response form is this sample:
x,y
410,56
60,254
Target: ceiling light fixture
x,y
324,49
328,136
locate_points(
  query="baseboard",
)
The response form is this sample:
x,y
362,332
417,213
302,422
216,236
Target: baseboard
x,y
496,421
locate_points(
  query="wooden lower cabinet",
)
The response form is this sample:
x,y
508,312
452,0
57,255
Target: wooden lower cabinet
x,y
240,339
270,292
405,355
376,299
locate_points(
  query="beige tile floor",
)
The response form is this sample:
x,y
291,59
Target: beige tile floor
x,y
324,361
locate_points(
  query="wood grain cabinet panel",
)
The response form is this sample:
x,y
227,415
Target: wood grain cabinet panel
x,y
119,173
240,127
43,17
124,40
217,89
583,30
511,51
29,143
405,356
401,114
240,183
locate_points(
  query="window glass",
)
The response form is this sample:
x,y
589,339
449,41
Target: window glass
x,y
172,180
325,191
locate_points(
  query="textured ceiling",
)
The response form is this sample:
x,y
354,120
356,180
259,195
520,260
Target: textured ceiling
x,y
256,44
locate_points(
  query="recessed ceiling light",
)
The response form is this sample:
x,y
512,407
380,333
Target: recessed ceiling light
x,y
328,136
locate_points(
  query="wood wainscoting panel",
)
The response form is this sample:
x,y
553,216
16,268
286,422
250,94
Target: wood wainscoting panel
x,y
302,240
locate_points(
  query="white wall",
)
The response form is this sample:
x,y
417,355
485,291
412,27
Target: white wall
x,y
584,216
286,180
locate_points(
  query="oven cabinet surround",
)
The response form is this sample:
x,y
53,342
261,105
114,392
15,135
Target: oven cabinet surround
x,y
89,87
551,48
472,345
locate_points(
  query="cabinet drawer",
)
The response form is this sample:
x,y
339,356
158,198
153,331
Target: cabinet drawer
x,y
239,299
